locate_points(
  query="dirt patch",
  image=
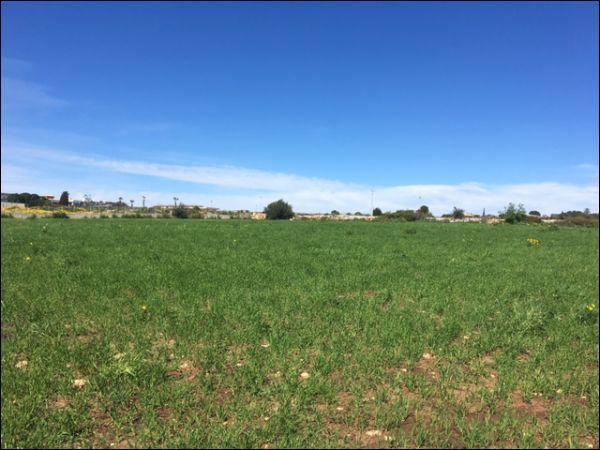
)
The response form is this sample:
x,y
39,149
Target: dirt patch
x,y
223,394
489,359
59,403
490,381
344,401
91,335
187,371
589,442
164,414
161,343
369,295
538,407
8,330
103,432
426,367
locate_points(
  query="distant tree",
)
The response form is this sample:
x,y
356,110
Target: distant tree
x,y
180,212
335,212
458,213
586,211
423,212
534,213
377,212
514,214
279,210
358,213
406,215
64,199
28,199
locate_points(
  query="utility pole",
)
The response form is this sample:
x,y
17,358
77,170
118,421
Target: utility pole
x,y
372,192
131,201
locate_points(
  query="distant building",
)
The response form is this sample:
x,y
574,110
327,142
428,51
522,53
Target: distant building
x,y
12,205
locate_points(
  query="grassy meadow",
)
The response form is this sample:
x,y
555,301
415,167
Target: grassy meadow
x,y
174,333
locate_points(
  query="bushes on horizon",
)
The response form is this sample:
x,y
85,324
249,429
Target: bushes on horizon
x,y
60,215
513,214
30,200
458,213
64,199
279,210
180,212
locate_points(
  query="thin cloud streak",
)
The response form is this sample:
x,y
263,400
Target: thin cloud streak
x,y
26,94
314,194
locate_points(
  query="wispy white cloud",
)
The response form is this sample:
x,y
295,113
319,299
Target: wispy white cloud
x,y
587,167
15,65
150,127
243,188
18,93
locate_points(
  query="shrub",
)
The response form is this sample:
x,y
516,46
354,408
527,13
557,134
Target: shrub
x,y
335,212
377,212
581,220
279,210
534,219
458,213
180,212
405,215
7,216
64,199
514,214
59,215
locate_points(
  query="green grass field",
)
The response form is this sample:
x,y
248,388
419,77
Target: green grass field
x,y
291,334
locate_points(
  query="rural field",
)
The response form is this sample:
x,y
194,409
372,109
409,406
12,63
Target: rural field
x,y
174,333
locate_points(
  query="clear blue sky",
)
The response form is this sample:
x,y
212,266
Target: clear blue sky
x,y
343,96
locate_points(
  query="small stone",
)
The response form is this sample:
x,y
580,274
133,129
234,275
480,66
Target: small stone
x,y
427,356
265,345
22,365
79,383
559,391
372,433
305,375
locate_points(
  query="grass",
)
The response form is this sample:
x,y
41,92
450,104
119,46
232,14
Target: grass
x,y
197,333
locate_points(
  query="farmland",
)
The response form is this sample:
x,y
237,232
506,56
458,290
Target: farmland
x,y
173,333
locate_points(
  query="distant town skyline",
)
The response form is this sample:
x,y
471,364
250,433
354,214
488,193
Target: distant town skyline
x,y
473,105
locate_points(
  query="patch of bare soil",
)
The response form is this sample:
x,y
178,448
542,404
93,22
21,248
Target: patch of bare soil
x,y
186,371
538,407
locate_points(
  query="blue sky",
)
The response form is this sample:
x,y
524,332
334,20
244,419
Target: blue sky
x,y
466,104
